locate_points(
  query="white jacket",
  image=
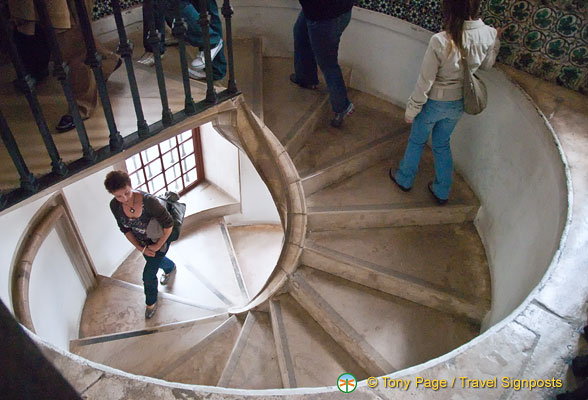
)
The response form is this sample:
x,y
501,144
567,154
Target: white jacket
x,y
441,75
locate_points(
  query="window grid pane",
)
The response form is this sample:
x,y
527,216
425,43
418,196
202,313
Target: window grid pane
x,y
169,165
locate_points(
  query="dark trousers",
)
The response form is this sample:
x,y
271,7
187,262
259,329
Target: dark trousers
x,y
317,42
150,274
160,11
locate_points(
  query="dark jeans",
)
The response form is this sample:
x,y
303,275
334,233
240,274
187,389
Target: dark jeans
x,y
34,52
317,42
159,14
194,33
150,274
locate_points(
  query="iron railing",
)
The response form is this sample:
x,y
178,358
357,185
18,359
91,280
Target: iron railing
x,y
29,184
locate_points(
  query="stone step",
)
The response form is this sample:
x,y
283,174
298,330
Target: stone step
x,y
203,363
373,119
290,111
248,55
345,165
449,256
115,306
205,253
368,357
307,355
257,248
369,199
404,333
398,283
253,363
165,343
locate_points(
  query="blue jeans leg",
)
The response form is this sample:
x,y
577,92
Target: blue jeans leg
x,y
194,33
324,38
440,118
150,274
304,63
159,12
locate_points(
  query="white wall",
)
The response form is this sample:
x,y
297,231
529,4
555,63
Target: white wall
x,y
13,225
221,161
89,202
56,294
507,154
257,205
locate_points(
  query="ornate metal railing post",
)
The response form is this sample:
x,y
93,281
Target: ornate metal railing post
x,y
94,60
153,38
27,84
179,32
126,52
27,180
61,71
227,12
204,23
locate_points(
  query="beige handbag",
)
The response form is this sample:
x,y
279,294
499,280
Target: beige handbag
x,y
475,95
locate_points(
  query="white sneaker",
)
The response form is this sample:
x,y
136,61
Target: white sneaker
x,y
148,59
199,61
196,73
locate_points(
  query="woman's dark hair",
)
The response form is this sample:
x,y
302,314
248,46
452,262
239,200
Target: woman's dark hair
x,y
455,12
116,180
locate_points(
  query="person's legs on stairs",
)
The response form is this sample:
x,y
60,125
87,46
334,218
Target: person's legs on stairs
x,y
305,68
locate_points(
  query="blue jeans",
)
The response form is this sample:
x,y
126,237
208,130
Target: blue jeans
x,y
317,42
439,117
215,29
150,274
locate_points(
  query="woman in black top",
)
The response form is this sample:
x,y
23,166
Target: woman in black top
x,y
133,211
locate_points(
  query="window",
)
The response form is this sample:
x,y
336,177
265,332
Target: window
x,y
174,164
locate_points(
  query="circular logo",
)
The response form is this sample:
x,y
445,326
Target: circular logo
x,y
346,383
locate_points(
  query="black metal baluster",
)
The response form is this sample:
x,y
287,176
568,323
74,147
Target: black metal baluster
x,y
126,51
27,85
227,12
204,23
153,38
179,32
27,180
94,60
61,72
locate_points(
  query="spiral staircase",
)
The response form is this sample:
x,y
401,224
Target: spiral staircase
x,y
385,280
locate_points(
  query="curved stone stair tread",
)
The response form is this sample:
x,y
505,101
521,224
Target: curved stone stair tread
x,y
373,118
116,306
370,199
207,201
203,363
204,252
257,248
183,283
147,351
253,363
448,256
313,358
288,107
404,333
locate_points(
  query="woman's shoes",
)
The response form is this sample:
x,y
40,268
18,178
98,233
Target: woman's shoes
x,y
165,277
150,311
440,201
391,175
66,123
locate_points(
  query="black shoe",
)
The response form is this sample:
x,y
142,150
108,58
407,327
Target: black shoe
x,y
302,85
337,120
440,201
580,366
65,124
391,175
150,312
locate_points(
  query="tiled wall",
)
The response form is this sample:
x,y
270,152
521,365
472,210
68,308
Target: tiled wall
x,y
547,38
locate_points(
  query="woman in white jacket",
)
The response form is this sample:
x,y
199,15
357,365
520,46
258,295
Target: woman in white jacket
x,y
436,104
